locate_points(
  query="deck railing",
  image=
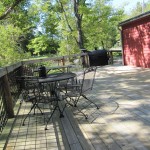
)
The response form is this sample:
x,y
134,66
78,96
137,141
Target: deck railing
x,y
8,92
10,89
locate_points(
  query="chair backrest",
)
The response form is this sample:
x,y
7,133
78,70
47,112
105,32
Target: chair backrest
x,y
40,92
30,88
88,79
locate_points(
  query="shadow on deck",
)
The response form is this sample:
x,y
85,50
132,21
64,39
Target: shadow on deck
x,y
121,123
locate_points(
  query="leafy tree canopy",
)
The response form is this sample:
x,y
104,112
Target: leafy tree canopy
x,y
42,27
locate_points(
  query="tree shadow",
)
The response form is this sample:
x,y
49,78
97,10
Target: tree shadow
x,y
127,127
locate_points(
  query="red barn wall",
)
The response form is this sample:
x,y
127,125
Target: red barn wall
x,y
136,43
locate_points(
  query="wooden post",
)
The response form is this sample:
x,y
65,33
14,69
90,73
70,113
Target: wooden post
x,y
111,57
21,73
87,61
58,62
63,63
8,97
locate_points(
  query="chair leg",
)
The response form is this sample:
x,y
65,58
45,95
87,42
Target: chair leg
x,y
34,106
61,115
80,111
39,109
75,105
90,101
56,106
50,117
76,101
61,112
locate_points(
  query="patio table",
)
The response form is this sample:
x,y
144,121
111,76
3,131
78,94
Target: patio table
x,y
56,79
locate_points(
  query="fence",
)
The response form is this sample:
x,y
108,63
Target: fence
x,y
10,89
9,92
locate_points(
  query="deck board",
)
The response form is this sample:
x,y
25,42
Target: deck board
x,y
121,123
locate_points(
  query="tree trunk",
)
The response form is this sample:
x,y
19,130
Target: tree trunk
x,y
80,34
79,24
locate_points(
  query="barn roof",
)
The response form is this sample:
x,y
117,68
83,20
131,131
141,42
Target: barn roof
x,y
143,15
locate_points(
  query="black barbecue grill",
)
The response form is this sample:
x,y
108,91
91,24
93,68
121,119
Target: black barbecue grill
x,y
95,58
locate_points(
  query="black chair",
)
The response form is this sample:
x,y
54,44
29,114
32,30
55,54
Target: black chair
x,y
41,95
31,93
80,87
35,93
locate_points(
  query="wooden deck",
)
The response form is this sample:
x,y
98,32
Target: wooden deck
x,y
121,123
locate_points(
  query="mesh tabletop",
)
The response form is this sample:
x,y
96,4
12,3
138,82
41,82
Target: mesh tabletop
x,y
57,77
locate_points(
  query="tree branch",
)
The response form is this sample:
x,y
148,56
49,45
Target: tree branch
x,y
71,30
65,16
17,2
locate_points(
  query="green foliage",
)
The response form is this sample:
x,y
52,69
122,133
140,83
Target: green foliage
x,y
39,44
40,27
42,44
101,26
68,46
9,50
147,6
46,33
138,9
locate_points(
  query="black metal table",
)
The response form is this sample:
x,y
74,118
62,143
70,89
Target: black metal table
x,y
56,78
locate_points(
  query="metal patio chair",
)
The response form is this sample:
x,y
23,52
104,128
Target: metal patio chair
x,y
30,94
35,93
80,87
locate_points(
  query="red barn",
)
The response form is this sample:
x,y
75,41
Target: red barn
x,y
136,41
